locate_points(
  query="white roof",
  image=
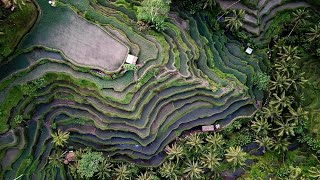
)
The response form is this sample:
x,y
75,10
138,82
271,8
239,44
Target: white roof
x,y
207,128
131,59
249,50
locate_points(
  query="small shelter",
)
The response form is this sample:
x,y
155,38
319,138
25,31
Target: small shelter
x,y
249,50
131,59
208,128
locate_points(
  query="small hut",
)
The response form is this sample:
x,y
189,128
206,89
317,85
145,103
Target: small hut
x,y
208,128
131,59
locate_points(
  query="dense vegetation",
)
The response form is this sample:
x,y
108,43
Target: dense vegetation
x,y
59,120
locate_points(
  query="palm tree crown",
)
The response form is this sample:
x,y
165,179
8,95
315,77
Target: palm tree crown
x,y
193,170
236,156
60,138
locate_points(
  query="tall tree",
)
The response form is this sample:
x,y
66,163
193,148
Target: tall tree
x,y
194,141
283,101
314,33
236,156
122,172
261,126
265,142
193,170
234,21
209,3
145,176
60,138
175,152
154,12
215,141
104,170
285,127
169,170
300,16
89,164
210,161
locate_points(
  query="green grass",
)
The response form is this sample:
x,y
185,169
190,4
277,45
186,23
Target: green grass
x,y
15,26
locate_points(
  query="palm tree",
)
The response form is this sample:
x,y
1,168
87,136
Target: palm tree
x,y
193,170
215,141
261,125
194,141
285,127
236,156
314,172
282,101
210,160
300,16
73,170
145,176
56,159
289,53
281,146
122,172
314,33
175,152
299,81
297,115
60,138
234,22
265,142
271,112
105,170
209,3
281,82
169,170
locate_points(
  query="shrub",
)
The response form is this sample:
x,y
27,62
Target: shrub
x,y
89,164
154,12
261,80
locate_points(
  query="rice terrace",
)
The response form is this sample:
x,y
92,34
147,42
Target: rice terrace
x,y
159,89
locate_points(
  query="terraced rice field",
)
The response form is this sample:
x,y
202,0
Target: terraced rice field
x,y
188,76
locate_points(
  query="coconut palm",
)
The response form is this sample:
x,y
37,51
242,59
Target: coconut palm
x,y
56,159
261,126
271,112
215,141
289,53
145,176
73,170
282,101
193,170
281,82
296,115
19,3
210,160
314,33
175,152
264,142
209,3
194,141
281,146
285,127
105,170
314,172
299,81
234,22
300,16
60,138
122,172
169,170
236,156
